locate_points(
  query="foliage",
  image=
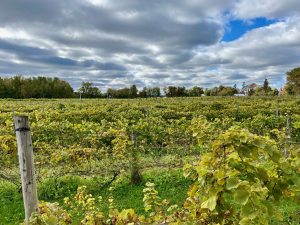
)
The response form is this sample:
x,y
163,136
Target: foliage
x,y
88,91
241,179
172,91
37,87
293,81
222,91
92,138
50,214
150,92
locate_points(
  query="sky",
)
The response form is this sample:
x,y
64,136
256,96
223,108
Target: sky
x,y
117,43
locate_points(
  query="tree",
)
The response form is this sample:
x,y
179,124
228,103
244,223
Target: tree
x,y
293,81
88,91
266,86
150,92
195,91
36,87
222,91
85,87
143,93
111,93
155,92
172,91
133,91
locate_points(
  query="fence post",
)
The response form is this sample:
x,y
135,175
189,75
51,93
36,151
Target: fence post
x,y
25,153
277,108
136,177
288,135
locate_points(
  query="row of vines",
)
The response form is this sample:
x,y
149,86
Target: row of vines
x,y
242,155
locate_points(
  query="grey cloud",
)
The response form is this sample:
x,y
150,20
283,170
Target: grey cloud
x,y
39,55
238,77
246,9
153,43
157,76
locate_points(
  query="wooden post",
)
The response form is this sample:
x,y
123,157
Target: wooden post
x,y
288,135
277,108
136,177
25,153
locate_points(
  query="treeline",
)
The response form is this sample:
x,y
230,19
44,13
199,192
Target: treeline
x,y
87,90
45,87
36,87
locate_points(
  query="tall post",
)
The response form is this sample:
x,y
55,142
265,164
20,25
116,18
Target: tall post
x,y
136,177
25,153
277,107
288,135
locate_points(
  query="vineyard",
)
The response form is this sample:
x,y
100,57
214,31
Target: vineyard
x,y
210,160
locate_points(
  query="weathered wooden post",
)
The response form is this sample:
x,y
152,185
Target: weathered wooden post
x,y
288,135
25,153
136,177
277,107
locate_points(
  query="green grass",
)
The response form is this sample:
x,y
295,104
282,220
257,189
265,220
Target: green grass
x,y
171,185
11,204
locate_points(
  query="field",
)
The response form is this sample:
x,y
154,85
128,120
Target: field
x,y
202,154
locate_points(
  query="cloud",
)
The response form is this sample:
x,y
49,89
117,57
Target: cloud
x,y
246,9
152,43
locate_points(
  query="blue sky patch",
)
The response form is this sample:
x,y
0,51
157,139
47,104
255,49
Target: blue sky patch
x,y
237,28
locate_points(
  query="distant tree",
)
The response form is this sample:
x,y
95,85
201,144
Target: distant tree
x,y
227,91
207,92
133,91
181,92
195,91
223,91
36,87
251,91
3,88
244,87
172,91
89,91
111,93
123,93
266,86
293,81
235,87
143,93
85,87
150,92
155,92
275,92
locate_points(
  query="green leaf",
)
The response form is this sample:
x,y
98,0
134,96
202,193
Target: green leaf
x,y
241,196
210,203
52,220
232,182
262,174
245,221
248,211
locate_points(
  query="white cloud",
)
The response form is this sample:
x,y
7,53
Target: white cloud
x,y
265,52
271,9
115,43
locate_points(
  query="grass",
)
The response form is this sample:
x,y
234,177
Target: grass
x,y
170,184
11,204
